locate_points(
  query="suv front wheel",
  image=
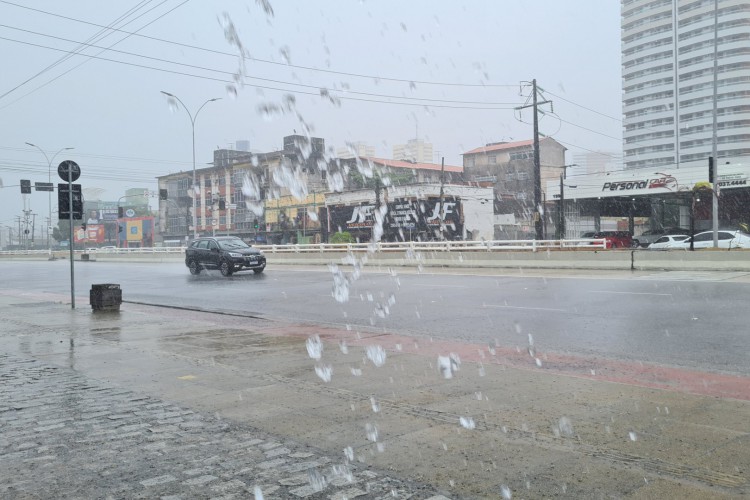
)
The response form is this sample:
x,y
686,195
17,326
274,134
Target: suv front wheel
x,y
226,268
194,267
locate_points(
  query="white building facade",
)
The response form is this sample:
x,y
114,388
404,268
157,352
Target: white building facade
x,y
414,150
668,81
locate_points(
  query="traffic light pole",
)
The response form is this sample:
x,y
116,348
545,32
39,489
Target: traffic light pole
x,y
70,240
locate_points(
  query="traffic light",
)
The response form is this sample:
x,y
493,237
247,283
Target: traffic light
x,y
25,186
257,225
120,212
222,205
711,169
63,202
83,226
163,194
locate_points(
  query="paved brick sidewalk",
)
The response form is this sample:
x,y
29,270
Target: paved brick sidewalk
x,y
63,435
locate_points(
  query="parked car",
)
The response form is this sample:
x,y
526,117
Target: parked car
x,y
651,235
727,239
615,239
228,254
668,241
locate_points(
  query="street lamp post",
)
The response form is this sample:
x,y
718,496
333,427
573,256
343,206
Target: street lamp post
x,y
192,123
49,195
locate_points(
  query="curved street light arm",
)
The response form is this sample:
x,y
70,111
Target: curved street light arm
x,y
192,122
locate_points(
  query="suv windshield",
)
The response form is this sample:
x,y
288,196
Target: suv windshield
x,y
232,244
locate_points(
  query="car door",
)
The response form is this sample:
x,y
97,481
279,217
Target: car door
x,y
662,242
677,241
213,254
725,239
201,252
703,240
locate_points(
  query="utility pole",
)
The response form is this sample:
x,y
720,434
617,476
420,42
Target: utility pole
x,y
562,208
33,228
538,209
441,212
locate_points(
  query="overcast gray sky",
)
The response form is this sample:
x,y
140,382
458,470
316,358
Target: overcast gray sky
x,y
448,71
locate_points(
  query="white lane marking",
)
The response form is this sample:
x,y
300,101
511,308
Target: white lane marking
x,y
527,308
631,293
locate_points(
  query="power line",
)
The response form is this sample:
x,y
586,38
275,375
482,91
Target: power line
x,y
584,107
108,157
585,149
104,50
585,128
255,77
265,61
77,49
164,70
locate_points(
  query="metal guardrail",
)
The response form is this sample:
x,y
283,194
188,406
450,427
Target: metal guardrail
x,y
403,246
440,246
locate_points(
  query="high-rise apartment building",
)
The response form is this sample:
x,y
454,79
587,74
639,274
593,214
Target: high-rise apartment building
x,y
354,149
415,150
668,80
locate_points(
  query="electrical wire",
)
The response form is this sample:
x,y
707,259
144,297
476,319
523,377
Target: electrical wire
x,y
584,107
164,70
618,139
265,61
81,45
230,73
104,50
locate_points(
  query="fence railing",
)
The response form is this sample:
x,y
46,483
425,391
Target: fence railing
x,y
402,246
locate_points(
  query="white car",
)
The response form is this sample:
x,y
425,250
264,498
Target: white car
x,y
668,241
727,239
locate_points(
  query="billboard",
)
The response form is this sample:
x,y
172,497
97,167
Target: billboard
x,y
134,230
405,219
94,233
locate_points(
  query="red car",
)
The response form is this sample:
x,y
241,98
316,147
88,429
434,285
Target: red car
x,y
616,239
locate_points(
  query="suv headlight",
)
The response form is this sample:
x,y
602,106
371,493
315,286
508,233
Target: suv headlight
x,y
261,252
235,255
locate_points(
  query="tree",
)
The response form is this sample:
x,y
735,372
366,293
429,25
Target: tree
x,y
342,237
62,231
359,181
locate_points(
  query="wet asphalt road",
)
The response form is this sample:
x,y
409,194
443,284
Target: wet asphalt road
x,y
691,320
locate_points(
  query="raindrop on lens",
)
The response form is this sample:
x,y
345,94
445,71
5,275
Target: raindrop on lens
x,y
314,347
565,427
317,480
372,432
325,372
505,492
376,354
448,365
467,422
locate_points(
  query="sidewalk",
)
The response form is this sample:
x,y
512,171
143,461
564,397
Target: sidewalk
x,y
154,402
